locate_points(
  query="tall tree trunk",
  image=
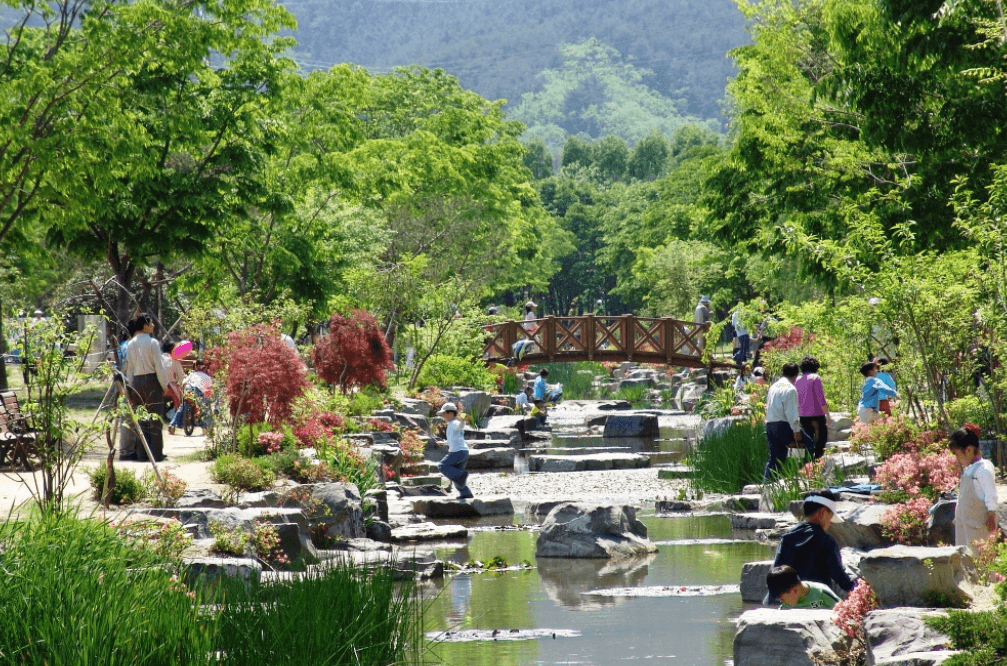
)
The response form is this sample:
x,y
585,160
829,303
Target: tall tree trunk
x,y
3,351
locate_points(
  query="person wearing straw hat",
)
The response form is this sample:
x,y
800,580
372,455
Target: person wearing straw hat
x,y
809,548
453,464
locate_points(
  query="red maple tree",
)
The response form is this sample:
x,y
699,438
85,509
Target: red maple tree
x,y
262,375
354,354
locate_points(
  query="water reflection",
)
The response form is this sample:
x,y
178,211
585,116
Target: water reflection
x,y
565,581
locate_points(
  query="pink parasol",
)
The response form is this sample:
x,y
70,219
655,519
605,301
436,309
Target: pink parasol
x,y
181,350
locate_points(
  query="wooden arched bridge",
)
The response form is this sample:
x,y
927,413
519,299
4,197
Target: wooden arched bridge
x,y
600,338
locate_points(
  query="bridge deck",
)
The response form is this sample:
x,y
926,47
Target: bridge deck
x,y
599,338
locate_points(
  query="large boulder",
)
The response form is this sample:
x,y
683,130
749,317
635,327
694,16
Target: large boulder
x,y
915,575
450,507
689,395
902,634
770,637
861,526
631,425
475,404
199,571
493,458
941,523
718,426
200,497
593,531
753,581
336,509
414,406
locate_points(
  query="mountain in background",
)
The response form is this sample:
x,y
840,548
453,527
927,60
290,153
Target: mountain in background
x,y
498,48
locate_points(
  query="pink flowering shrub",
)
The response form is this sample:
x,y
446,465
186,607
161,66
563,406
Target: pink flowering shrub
x,y
813,470
915,475
906,523
377,425
886,436
267,544
319,429
850,614
270,442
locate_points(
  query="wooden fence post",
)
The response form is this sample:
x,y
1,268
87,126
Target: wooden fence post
x,y
590,336
628,336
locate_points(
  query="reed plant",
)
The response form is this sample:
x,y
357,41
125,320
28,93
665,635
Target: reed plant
x,y
577,378
727,461
343,615
77,592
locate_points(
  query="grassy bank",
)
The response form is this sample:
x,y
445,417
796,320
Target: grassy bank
x,y
78,592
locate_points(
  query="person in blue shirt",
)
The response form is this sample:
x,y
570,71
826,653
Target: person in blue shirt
x,y
873,391
884,405
540,387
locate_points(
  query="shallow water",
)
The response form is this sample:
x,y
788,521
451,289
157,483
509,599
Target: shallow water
x,y
673,607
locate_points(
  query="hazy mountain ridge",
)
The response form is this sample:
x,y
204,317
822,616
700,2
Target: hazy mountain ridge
x,y
498,48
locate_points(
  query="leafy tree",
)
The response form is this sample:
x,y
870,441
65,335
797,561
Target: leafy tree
x,y
610,155
262,375
577,152
194,160
648,157
354,354
538,159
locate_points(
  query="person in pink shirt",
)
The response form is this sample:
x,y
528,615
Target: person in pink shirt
x,y
811,405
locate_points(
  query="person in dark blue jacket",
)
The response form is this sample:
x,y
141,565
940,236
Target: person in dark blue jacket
x,y
810,549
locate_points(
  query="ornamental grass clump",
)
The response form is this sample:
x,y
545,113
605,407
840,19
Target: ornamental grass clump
x,y
77,592
727,461
342,615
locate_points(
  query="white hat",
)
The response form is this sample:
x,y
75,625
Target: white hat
x,y
448,407
704,299
828,504
531,304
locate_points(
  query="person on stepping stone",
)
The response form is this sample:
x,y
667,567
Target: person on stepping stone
x,y
453,464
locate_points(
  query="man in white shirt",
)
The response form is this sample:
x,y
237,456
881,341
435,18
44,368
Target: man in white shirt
x,y
783,422
523,400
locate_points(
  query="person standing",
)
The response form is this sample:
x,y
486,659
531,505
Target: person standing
x,y
453,464
976,511
811,404
742,337
530,316
148,381
540,385
884,405
176,376
871,393
783,424
702,316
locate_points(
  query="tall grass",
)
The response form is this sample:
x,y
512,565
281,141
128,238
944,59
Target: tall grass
x,y
75,592
577,385
345,615
726,462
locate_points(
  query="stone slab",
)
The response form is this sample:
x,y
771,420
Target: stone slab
x,y
896,633
594,462
631,425
758,521
493,458
913,575
428,532
450,507
771,637
753,581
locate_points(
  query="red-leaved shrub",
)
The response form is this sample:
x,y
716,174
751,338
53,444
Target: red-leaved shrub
x,y
319,429
354,354
262,375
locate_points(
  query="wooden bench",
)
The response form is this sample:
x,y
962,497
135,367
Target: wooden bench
x,y
17,438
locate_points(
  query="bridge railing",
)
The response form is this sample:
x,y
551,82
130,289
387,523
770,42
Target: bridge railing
x,y
600,338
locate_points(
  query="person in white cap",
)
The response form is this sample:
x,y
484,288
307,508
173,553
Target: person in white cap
x,y
809,548
529,316
453,464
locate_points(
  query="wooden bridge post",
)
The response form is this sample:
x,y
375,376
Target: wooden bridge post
x,y
628,337
590,338
549,337
510,337
668,337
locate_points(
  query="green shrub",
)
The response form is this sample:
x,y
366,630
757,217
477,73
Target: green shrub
x,y
444,371
128,488
981,635
635,395
347,464
242,474
228,541
364,401
717,403
247,435
728,461
970,409
77,592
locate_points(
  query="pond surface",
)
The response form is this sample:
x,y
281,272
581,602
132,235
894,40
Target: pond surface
x,y
674,607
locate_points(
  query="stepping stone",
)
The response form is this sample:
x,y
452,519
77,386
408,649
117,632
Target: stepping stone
x,y
428,532
757,521
431,479
631,425
675,472
450,507
595,462
495,458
